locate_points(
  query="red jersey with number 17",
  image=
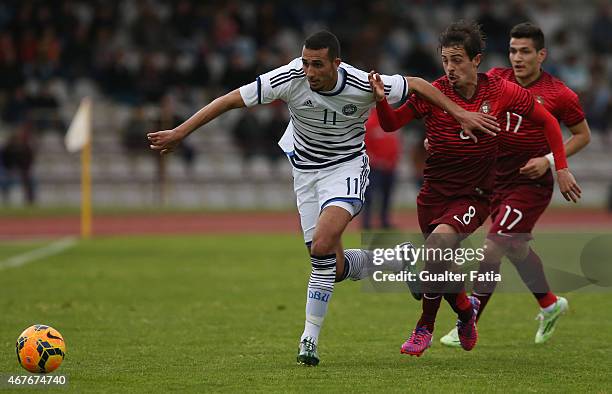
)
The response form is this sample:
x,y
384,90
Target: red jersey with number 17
x,y
521,139
456,166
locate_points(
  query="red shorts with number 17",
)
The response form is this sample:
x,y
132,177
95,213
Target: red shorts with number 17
x,y
514,213
464,213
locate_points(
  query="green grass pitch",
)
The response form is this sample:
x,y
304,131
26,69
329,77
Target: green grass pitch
x,y
224,313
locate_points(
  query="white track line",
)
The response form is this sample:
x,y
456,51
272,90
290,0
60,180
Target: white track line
x,y
40,253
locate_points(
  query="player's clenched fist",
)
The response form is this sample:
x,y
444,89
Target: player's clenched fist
x,y
164,141
535,168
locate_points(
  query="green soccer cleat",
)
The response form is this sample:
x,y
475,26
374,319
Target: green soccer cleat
x,y
548,320
307,352
451,339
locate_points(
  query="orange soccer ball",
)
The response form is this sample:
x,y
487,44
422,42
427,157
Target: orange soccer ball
x,y
40,349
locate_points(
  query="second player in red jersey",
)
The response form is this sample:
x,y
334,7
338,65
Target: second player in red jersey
x,y
523,140
459,174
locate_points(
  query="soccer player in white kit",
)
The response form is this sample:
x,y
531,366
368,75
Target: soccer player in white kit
x,y
329,102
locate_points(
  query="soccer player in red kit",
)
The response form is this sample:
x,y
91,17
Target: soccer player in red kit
x,y
524,183
459,174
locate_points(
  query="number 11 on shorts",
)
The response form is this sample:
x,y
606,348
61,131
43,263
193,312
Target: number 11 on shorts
x,y
348,185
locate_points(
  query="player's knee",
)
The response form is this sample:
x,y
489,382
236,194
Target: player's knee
x,y
494,251
322,246
440,241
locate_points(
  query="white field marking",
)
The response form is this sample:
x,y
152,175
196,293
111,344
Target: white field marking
x,y
38,254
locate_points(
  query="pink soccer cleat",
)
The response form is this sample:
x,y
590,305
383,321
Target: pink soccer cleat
x,y
418,342
468,334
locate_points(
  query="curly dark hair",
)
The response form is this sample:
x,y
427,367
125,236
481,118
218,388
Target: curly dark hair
x,y
463,34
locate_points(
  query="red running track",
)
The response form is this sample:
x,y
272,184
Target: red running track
x,y
252,222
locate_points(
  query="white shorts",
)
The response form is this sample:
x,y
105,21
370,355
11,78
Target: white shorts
x,y
342,185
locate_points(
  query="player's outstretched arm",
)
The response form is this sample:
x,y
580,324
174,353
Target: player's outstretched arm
x,y
470,121
567,184
390,119
166,140
581,136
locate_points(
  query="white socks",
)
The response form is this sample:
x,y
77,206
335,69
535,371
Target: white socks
x,y
320,289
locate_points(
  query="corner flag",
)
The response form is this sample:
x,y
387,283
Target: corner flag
x,y
78,138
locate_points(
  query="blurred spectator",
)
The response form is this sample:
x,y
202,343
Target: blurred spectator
x,y
49,53
5,180
384,151
10,69
272,131
246,135
238,72
78,53
148,30
200,74
44,109
517,13
574,73
600,34
418,155
134,135
597,98
16,107
17,160
118,80
182,19
547,17
150,82
495,28
419,61
169,119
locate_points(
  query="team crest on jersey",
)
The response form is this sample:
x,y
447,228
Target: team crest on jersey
x,y
349,109
540,99
485,108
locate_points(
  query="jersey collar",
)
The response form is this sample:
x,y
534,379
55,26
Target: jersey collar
x,y
530,84
339,84
479,78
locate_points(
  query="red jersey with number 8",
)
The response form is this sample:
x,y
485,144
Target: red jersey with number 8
x,y
457,166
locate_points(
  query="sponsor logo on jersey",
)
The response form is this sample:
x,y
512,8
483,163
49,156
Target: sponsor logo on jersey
x,y
349,109
539,99
308,103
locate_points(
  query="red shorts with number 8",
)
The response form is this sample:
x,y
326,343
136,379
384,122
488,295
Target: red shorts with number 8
x,y
464,213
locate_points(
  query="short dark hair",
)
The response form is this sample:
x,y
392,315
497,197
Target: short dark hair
x,y
529,30
463,34
324,39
